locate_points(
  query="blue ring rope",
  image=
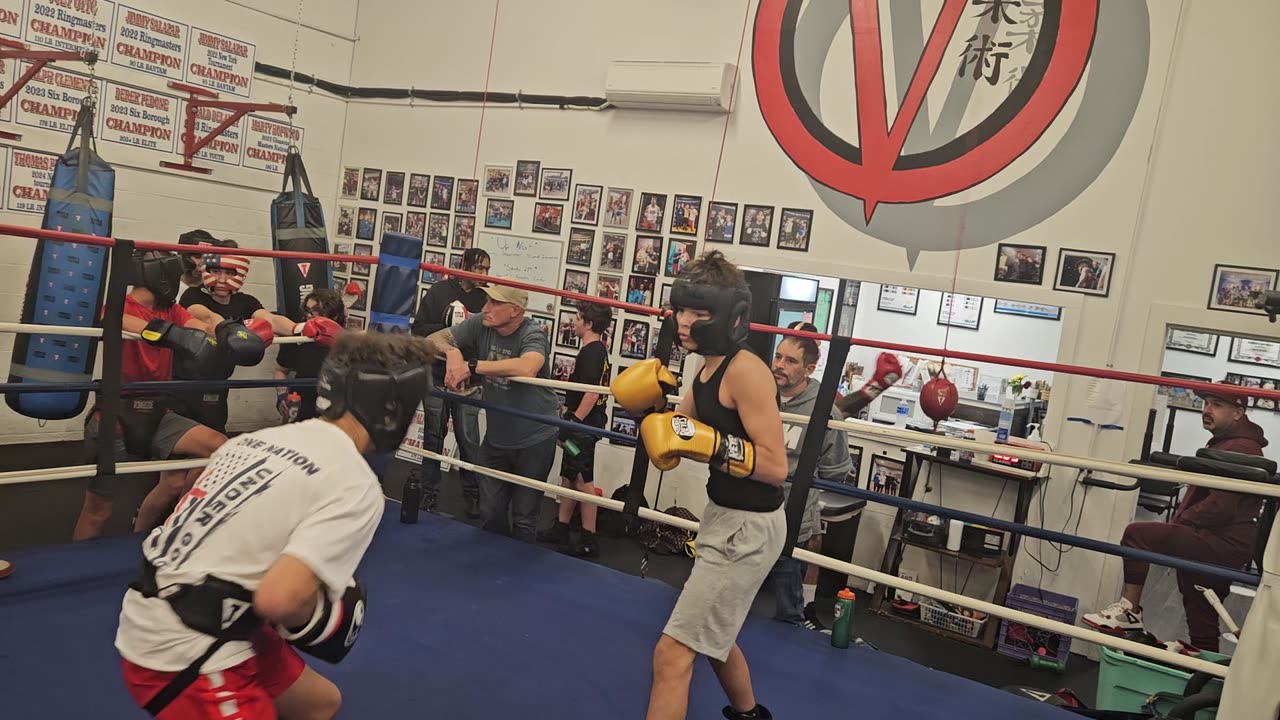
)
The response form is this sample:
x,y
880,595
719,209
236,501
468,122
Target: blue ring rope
x,y
547,419
154,385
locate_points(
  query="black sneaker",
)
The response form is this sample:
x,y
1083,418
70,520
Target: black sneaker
x,y
587,546
811,621
557,534
760,712
473,508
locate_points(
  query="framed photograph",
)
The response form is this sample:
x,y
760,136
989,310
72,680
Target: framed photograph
x,y
362,299
415,224
526,179
394,194
350,183
497,180
355,322
648,256
422,300
361,269
370,184
1266,403
468,196
544,323
757,225
346,221
1192,341
1239,289
586,204
498,212
678,354
391,222
686,213
885,475
653,208
899,299
565,336
1182,398
1026,309
455,261
664,298
419,190
794,227
679,253
548,218
341,266
1255,352
623,423
562,366
441,192
617,208
581,242
464,231
1020,264
576,281
613,251
1254,382
607,339
434,258
609,287
854,477
635,339
438,230
640,290
964,312
722,222
1084,271
555,184
366,223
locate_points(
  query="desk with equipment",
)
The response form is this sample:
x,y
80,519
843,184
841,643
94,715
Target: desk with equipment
x,y
974,544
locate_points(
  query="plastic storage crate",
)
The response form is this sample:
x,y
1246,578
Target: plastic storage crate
x,y
1125,682
1020,641
938,617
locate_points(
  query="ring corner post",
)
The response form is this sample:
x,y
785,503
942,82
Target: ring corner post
x,y
109,402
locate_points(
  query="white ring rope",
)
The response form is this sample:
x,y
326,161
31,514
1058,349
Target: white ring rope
x,y
14,327
17,477
906,438
992,610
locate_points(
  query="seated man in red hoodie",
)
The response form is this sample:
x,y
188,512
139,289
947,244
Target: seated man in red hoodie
x,y
1211,526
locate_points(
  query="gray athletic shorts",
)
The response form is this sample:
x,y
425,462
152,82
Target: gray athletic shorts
x,y
169,431
736,550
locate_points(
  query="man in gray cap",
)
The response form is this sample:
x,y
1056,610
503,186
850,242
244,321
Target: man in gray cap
x,y
498,344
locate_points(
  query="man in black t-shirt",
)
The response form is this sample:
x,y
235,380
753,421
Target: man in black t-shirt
x,y
446,304
304,360
577,470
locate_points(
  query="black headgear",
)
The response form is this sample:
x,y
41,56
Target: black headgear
x,y
384,401
730,309
159,272
194,237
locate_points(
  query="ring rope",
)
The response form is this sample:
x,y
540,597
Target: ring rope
x,y
17,477
1093,636
69,330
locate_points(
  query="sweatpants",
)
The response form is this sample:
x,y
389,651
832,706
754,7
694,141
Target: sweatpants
x,y
1191,544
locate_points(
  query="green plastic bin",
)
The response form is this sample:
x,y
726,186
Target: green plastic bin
x,y
1125,682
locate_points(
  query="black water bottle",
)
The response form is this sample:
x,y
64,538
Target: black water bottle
x,y
411,497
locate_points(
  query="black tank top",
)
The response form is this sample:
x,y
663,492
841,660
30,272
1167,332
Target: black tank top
x,y
723,488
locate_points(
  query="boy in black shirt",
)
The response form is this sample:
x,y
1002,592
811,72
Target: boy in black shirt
x,y
588,408
304,360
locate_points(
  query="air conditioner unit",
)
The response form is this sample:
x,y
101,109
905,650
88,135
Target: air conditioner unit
x,y
649,85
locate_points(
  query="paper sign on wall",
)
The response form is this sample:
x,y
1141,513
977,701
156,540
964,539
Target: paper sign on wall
x,y
266,143
30,174
142,118
149,43
220,63
52,99
226,147
70,24
11,17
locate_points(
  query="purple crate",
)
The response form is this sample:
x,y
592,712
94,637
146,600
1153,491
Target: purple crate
x,y
1019,641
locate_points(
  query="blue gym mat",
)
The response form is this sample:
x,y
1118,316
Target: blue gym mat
x,y
466,624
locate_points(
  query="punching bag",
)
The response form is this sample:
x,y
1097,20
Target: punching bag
x,y
297,225
395,287
67,282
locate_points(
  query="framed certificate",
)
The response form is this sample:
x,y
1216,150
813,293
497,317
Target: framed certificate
x,y
899,299
1256,352
1192,341
964,312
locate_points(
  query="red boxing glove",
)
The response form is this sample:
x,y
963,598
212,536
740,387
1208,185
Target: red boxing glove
x,y
888,372
321,329
262,328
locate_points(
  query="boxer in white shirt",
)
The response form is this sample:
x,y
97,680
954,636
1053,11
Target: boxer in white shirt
x,y
259,557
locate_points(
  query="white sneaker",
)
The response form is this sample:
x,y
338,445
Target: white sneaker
x,y
1118,618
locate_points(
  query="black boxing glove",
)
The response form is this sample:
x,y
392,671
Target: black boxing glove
x,y
333,627
242,346
196,355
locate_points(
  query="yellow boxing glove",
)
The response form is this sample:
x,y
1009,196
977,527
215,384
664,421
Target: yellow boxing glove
x,y
643,386
671,436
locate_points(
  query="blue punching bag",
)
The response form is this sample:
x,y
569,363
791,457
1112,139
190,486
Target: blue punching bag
x,y
297,224
67,280
395,287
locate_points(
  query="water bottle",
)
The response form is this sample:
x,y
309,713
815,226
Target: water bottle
x,y
293,405
411,498
571,447
842,629
1006,418
903,412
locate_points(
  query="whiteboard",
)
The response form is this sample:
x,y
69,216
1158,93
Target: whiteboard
x,y
527,259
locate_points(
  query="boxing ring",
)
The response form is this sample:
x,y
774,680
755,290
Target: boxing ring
x,y
473,625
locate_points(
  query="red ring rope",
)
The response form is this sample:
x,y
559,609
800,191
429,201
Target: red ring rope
x,y
1106,373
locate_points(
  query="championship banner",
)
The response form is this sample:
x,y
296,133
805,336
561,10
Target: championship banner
x,y
8,76
11,18
220,63
70,24
266,143
226,148
30,173
52,99
149,43
141,118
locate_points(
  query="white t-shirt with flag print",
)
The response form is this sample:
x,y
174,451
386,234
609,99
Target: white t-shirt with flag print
x,y
300,489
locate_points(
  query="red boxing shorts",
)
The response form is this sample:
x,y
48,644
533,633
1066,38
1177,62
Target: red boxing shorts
x,y
242,692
